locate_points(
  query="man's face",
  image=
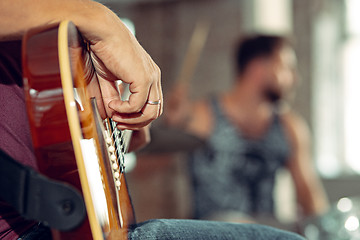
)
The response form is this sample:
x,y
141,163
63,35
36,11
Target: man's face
x,y
279,76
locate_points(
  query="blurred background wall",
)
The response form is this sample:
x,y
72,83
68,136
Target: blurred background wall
x,y
326,42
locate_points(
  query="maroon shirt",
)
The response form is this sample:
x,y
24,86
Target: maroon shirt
x,y
15,138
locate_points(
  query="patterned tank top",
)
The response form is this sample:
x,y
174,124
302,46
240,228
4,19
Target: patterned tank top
x,y
234,173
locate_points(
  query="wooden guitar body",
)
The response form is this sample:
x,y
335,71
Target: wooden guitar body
x,y
73,141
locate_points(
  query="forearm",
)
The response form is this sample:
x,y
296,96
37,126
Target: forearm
x,y
312,198
310,193
17,16
309,190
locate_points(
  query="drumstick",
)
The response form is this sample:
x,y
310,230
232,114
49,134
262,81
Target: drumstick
x,y
193,52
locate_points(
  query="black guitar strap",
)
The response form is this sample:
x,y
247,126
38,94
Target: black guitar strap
x,y
37,197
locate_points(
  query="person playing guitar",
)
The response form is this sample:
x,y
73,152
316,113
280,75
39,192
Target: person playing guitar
x,y
115,54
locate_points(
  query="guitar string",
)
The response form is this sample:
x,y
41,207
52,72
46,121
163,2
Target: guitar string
x,y
117,135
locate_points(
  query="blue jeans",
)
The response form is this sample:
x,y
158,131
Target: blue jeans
x,y
165,229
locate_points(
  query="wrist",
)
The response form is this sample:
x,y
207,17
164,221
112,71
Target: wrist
x,y
94,20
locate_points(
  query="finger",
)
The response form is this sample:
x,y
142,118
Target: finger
x,y
135,103
139,126
161,107
162,99
139,95
109,93
143,86
147,114
154,105
138,85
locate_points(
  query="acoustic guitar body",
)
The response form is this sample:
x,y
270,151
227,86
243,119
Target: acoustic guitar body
x,y
73,140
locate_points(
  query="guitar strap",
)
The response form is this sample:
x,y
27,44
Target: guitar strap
x,y
37,197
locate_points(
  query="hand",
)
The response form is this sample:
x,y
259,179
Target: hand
x,y
117,55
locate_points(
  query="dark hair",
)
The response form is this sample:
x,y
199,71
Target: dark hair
x,y
253,47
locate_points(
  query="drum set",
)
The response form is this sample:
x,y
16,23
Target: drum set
x,y
341,222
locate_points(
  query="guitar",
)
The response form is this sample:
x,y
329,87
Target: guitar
x,y
73,139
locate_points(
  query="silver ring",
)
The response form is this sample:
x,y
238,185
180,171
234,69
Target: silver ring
x,y
154,102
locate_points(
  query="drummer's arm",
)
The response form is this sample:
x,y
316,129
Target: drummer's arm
x,y
310,192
